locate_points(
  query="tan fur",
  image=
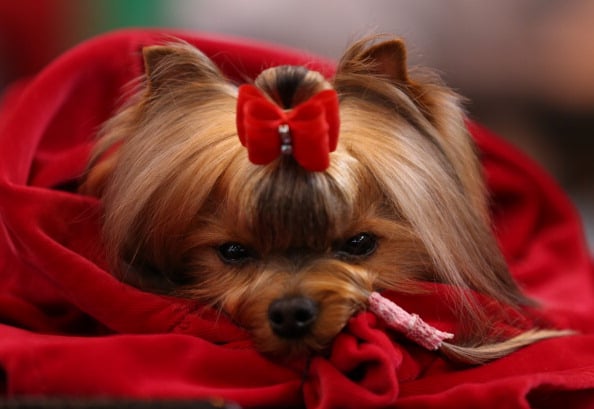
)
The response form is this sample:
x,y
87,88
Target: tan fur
x,y
405,170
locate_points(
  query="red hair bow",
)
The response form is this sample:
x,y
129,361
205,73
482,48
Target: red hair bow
x,y
309,131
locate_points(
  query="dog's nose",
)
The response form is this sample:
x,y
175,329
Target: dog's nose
x,y
292,317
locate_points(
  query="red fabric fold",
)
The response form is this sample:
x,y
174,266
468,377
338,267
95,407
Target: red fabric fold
x,y
69,328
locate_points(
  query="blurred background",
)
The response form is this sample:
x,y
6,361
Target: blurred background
x,y
526,66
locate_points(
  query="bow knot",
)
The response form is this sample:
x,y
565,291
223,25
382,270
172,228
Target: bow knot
x,y
309,131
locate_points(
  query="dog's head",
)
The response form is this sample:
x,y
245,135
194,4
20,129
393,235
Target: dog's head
x,y
290,253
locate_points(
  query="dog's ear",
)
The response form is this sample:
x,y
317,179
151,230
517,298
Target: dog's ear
x,y
371,64
389,60
168,66
370,70
386,59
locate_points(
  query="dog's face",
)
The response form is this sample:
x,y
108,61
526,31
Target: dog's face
x,y
287,253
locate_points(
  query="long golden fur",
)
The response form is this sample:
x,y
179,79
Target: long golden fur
x,y
178,189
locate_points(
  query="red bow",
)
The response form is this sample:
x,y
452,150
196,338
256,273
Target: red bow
x,y
309,131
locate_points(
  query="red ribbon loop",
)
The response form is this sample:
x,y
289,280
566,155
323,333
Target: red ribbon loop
x,y
312,128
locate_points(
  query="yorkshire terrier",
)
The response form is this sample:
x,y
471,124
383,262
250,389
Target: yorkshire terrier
x,y
285,203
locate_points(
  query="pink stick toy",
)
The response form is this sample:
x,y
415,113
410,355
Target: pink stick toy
x,y
411,325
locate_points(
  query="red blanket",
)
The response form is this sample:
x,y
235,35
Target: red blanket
x,y
69,328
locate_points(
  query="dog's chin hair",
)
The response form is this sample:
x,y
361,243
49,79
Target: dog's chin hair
x,y
176,184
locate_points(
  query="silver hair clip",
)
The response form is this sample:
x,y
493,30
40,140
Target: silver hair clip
x,y
285,136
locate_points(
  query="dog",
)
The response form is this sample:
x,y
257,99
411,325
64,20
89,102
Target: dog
x,y
285,203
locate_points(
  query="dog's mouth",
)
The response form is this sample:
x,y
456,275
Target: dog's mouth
x,y
297,325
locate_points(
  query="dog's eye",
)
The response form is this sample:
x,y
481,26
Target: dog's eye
x,y
234,253
360,245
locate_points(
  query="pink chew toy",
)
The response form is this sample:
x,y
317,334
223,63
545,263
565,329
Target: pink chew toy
x,y
411,325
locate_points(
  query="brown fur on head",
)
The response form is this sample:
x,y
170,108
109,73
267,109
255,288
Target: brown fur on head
x,y
402,201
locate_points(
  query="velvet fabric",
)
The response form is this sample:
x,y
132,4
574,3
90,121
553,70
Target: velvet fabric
x,y
68,328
